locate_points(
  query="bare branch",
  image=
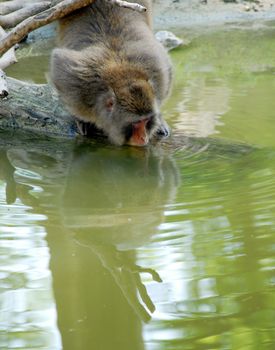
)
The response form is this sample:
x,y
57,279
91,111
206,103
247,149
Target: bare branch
x,y
6,60
4,91
12,19
129,5
10,6
9,57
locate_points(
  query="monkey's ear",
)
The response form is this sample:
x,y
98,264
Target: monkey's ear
x,y
106,102
109,101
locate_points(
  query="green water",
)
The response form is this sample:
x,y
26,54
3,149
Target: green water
x,y
127,249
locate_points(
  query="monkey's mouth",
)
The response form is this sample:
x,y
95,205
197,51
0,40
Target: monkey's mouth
x,y
138,133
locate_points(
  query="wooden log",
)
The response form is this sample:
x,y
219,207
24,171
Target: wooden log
x,y
8,7
36,108
4,90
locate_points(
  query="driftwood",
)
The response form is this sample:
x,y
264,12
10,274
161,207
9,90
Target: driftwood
x,y
5,61
34,108
4,90
9,57
12,6
9,20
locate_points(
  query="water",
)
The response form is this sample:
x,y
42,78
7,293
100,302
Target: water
x,y
123,248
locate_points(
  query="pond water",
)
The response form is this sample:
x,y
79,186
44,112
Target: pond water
x,y
122,248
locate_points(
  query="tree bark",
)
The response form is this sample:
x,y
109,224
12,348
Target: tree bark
x,y
10,6
6,60
4,90
35,108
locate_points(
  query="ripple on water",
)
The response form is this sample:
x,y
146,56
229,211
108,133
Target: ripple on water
x,y
28,314
215,254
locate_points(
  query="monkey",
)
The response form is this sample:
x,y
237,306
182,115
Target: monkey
x,y
111,73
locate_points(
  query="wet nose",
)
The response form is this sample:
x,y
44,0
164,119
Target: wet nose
x,y
163,131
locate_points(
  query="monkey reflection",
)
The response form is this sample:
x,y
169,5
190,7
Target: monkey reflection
x,y
121,193
101,204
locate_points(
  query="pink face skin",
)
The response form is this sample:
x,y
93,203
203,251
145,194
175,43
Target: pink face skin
x,y
139,136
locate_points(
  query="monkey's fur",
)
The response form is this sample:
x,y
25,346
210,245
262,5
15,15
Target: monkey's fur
x,y
111,72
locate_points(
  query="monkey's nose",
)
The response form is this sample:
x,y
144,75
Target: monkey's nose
x,y
163,131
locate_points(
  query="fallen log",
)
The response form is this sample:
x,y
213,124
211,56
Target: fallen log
x,y
4,90
35,108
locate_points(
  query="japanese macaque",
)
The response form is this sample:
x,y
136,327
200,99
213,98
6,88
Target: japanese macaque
x,y
110,72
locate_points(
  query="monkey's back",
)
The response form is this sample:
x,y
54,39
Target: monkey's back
x,y
101,21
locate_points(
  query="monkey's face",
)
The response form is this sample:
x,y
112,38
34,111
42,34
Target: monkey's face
x,y
128,114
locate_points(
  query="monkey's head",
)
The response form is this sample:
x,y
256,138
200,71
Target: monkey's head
x,y
128,111
117,97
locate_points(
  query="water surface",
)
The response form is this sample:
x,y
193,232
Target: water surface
x,y
123,248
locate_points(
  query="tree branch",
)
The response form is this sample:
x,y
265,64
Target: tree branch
x,y
7,7
12,19
6,60
128,5
4,90
9,57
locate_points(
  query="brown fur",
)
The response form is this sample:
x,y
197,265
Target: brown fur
x,y
110,70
